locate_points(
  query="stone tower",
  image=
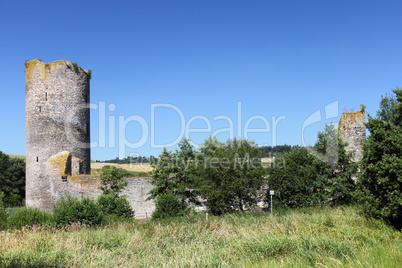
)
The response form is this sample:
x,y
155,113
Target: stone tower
x,y
57,120
352,129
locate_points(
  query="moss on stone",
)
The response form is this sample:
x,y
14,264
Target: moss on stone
x,y
348,118
60,163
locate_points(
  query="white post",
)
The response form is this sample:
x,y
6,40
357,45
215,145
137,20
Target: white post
x,y
271,193
271,205
206,216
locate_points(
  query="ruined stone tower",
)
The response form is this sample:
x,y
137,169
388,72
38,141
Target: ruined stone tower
x,y
352,129
57,121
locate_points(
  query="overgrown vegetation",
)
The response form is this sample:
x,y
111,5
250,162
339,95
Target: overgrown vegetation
x,y
315,177
332,237
75,66
12,179
115,205
225,176
113,180
24,216
271,151
111,202
89,74
69,209
380,179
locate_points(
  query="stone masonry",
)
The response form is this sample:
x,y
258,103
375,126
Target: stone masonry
x,y
57,120
58,155
352,130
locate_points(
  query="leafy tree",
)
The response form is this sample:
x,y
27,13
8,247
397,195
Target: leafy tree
x,y
229,175
112,183
3,215
380,179
12,179
173,175
225,176
315,177
336,167
169,205
269,151
113,180
1,199
115,205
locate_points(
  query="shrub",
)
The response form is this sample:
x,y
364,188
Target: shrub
x,y
380,179
13,200
3,215
12,179
169,205
1,199
322,176
69,209
113,180
23,216
3,218
115,205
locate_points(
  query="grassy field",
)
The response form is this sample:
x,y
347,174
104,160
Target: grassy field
x,y
334,237
17,156
131,173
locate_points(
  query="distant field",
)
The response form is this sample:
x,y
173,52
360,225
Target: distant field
x,y
129,167
17,156
133,167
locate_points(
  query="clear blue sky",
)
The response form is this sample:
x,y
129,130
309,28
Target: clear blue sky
x,y
203,58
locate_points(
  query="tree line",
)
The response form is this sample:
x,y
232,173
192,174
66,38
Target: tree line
x,y
226,177
132,160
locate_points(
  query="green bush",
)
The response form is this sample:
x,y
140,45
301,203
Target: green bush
x,y
13,200
3,218
1,199
23,216
69,209
380,178
12,179
112,204
113,180
322,176
169,205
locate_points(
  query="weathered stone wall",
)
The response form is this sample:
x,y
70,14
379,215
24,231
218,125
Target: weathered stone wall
x,y
57,119
352,129
137,193
88,186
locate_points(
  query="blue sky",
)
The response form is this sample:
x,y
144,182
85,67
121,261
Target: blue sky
x,y
202,60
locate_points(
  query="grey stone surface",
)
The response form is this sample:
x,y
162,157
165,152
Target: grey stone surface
x,y
57,119
58,155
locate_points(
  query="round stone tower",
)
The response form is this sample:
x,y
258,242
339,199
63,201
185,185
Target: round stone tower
x,y
57,120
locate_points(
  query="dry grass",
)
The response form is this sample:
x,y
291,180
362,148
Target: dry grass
x,y
129,167
17,156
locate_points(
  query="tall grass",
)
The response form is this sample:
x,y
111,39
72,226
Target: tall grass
x,y
332,237
23,216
